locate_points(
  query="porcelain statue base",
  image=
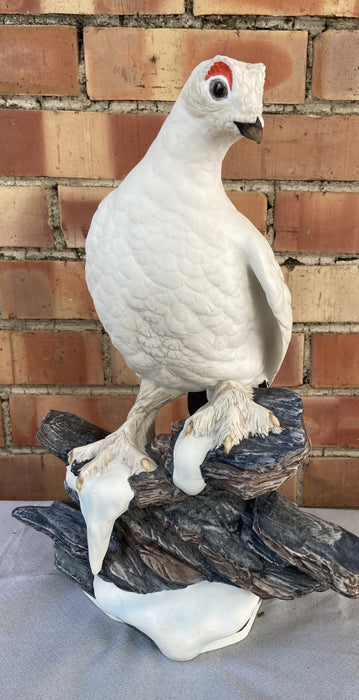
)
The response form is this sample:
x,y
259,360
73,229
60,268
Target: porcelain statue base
x,y
184,622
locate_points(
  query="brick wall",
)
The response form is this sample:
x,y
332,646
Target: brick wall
x,y
84,89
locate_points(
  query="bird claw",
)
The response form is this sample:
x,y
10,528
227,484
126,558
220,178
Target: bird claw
x,y
229,417
274,420
79,482
95,458
148,465
228,444
189,428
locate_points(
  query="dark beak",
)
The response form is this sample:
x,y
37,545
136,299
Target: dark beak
x,y
251,131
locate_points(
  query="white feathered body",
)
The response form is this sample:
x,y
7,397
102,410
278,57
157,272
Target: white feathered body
x,y
187,288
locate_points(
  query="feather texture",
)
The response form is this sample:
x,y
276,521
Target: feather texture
x,y
187,288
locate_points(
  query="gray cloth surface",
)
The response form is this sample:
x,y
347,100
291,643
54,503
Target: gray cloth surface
x,y
56,644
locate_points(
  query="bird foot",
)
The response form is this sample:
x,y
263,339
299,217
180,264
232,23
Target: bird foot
x,y
97,456
229,417
103,487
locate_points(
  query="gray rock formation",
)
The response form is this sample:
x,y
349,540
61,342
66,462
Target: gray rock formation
x,y
237,531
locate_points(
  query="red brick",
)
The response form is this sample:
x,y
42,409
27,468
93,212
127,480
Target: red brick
x,y
49,357
77,207
62,357
6,359
24,217
332,420
31,477
324,294
94,7
120,373
130,63
108,145
299,147
336,8
335,65
28,410
317,221
253,205
22,143
170,413
44,289
74,144
38,60
335,359
332,482
2,429
291,371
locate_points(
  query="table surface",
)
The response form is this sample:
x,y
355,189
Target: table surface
x,y
56,644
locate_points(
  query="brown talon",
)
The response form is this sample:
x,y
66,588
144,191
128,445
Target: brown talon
x,y
228,444
147,466
189,428
274,420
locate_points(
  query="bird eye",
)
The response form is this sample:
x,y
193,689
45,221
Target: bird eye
x,y
218,89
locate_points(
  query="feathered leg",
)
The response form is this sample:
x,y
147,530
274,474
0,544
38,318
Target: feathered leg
x,y
229,417
128,443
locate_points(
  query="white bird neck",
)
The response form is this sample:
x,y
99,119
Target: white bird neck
x,y
196,150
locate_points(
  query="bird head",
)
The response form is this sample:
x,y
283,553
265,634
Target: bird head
x,y
227,94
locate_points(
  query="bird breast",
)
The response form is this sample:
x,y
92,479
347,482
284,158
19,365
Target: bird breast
x,y
172,289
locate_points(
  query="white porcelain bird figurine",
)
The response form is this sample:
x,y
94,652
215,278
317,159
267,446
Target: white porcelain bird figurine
x,y
189,292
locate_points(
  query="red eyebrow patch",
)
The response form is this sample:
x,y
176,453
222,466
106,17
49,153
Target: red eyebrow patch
x,y
221,68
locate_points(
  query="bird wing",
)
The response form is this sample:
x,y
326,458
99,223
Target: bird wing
x,y
272,301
